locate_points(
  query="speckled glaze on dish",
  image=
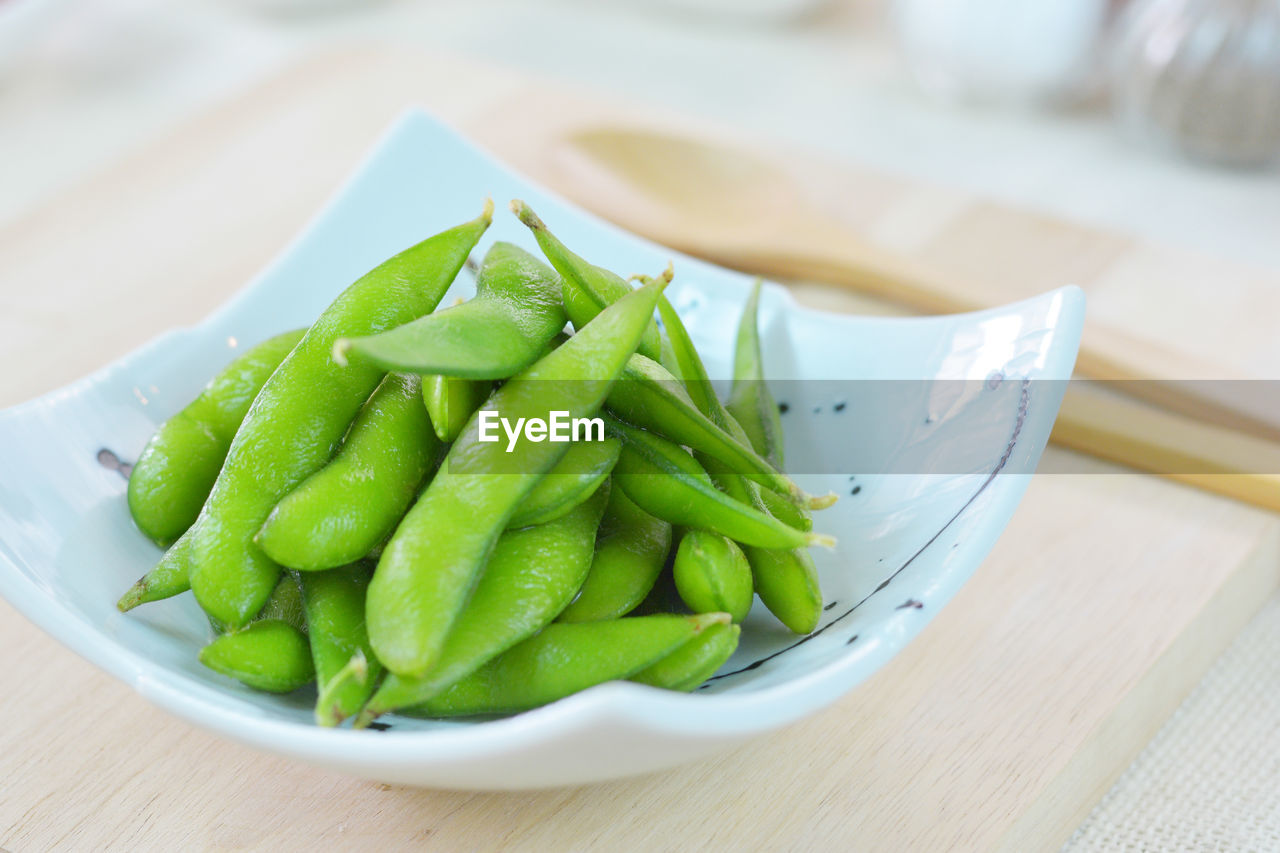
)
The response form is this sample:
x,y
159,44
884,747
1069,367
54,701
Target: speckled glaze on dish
x,y
907,541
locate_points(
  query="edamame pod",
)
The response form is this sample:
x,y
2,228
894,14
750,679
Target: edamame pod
x,y
750,402
787,583
783,509
664,480
692,372
286,436
431,563
338,514
451,402
752,408
334,602
533,573
566,658
689,666
576,477
176,470
631,549
516,311
587,289
648,396
167,578
267,655
712,575
785,580
285,604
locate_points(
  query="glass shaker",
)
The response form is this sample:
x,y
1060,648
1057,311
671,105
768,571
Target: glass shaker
x,y
1201,77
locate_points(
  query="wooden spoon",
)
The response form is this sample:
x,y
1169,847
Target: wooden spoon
x,y
758,213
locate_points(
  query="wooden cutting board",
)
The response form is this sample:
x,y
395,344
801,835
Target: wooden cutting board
x,y
1104,602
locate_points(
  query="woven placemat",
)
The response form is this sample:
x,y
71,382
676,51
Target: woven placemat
x,y
1210,779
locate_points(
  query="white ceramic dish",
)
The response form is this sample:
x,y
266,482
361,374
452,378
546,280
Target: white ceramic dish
x,y
908,540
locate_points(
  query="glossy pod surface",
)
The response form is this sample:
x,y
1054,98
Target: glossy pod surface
x,y
502,330
338,514
587,288
631,548
269,655
167,578
334,603
533,573
648,396
451,402
577,476
665,481
566,658
750,402
712,575
172,477
430,565
300,416
690,665
785,579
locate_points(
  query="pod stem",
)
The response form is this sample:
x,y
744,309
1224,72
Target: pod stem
x,y
822,540
340,348
134,596
668,275
702,621
526,215
820,501
327,713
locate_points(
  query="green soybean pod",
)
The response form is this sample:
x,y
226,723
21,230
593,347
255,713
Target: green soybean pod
x,y
430,565
566,658
300,416
648,396
576,477
340,513
286,604
690,665
503,329
269,655
334,602
750,402
787,583
587,288
664,480
451,402
172,477
785,580
252,655
631,550
532,574
784,510
167,578
712,574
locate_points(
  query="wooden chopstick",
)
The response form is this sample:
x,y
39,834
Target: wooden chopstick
x,y
1140,435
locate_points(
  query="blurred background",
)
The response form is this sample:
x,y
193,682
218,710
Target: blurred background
x,y
1159,118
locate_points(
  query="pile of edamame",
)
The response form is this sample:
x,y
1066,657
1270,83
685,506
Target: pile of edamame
x,y
333,504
